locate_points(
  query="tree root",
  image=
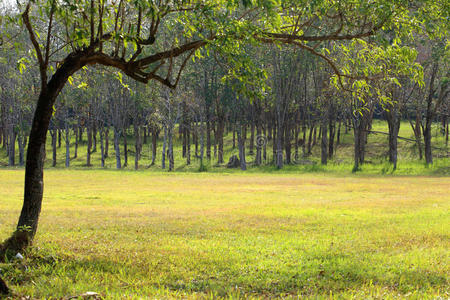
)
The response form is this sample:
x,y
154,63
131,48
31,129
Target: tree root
x,y
18,242
4,290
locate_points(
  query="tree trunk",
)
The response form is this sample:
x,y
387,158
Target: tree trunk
x,y
241,146
154,140
429,115
357,149
315,137
184,140
4,290
311,129
171,159
89,145
234,136
260,139
54,135
208,137
324,142
202,145
287,140
393,119
338,136
188,146
67,142
102,147
12,148
94,138
252,133
427,142
332,129
106,142
125,148
220,131
34,169
137,146
75,154
117,148
21,140
446,134
59,138
163,157
279,148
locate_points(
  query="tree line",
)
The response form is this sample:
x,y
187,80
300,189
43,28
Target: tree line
x,y
298,111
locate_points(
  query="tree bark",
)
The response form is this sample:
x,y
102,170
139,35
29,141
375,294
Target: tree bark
x,y
21,140
12,148
241,146
137,146
89,145
220,131
163,157
154,140
393,119
67,140
324,142
117,148
75,153
4,290
106,141
125,148
34,170
54,136
102,147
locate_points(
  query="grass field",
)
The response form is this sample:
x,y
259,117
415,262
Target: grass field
x,y
132,235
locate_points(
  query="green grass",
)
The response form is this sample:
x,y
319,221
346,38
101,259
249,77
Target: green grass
x,y
133,235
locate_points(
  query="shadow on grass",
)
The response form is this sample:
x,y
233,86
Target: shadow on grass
x,y
48,276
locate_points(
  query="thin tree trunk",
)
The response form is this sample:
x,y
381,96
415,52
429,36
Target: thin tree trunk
x,y
171,158
89,145
12,148
125,148
154,140
53,134
220,131
21,140
188,146
324,142
208,137
106,142
279,148
102,147
241,145
287,140
163,158
338,136
75,153
393,120
94,138
67,140
137,146
252,133
311,129
117,148
332,129
59,138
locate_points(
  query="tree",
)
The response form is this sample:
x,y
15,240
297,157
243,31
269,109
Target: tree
x,y
124,35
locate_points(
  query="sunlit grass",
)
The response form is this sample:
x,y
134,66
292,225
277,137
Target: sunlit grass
x,y
151,234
